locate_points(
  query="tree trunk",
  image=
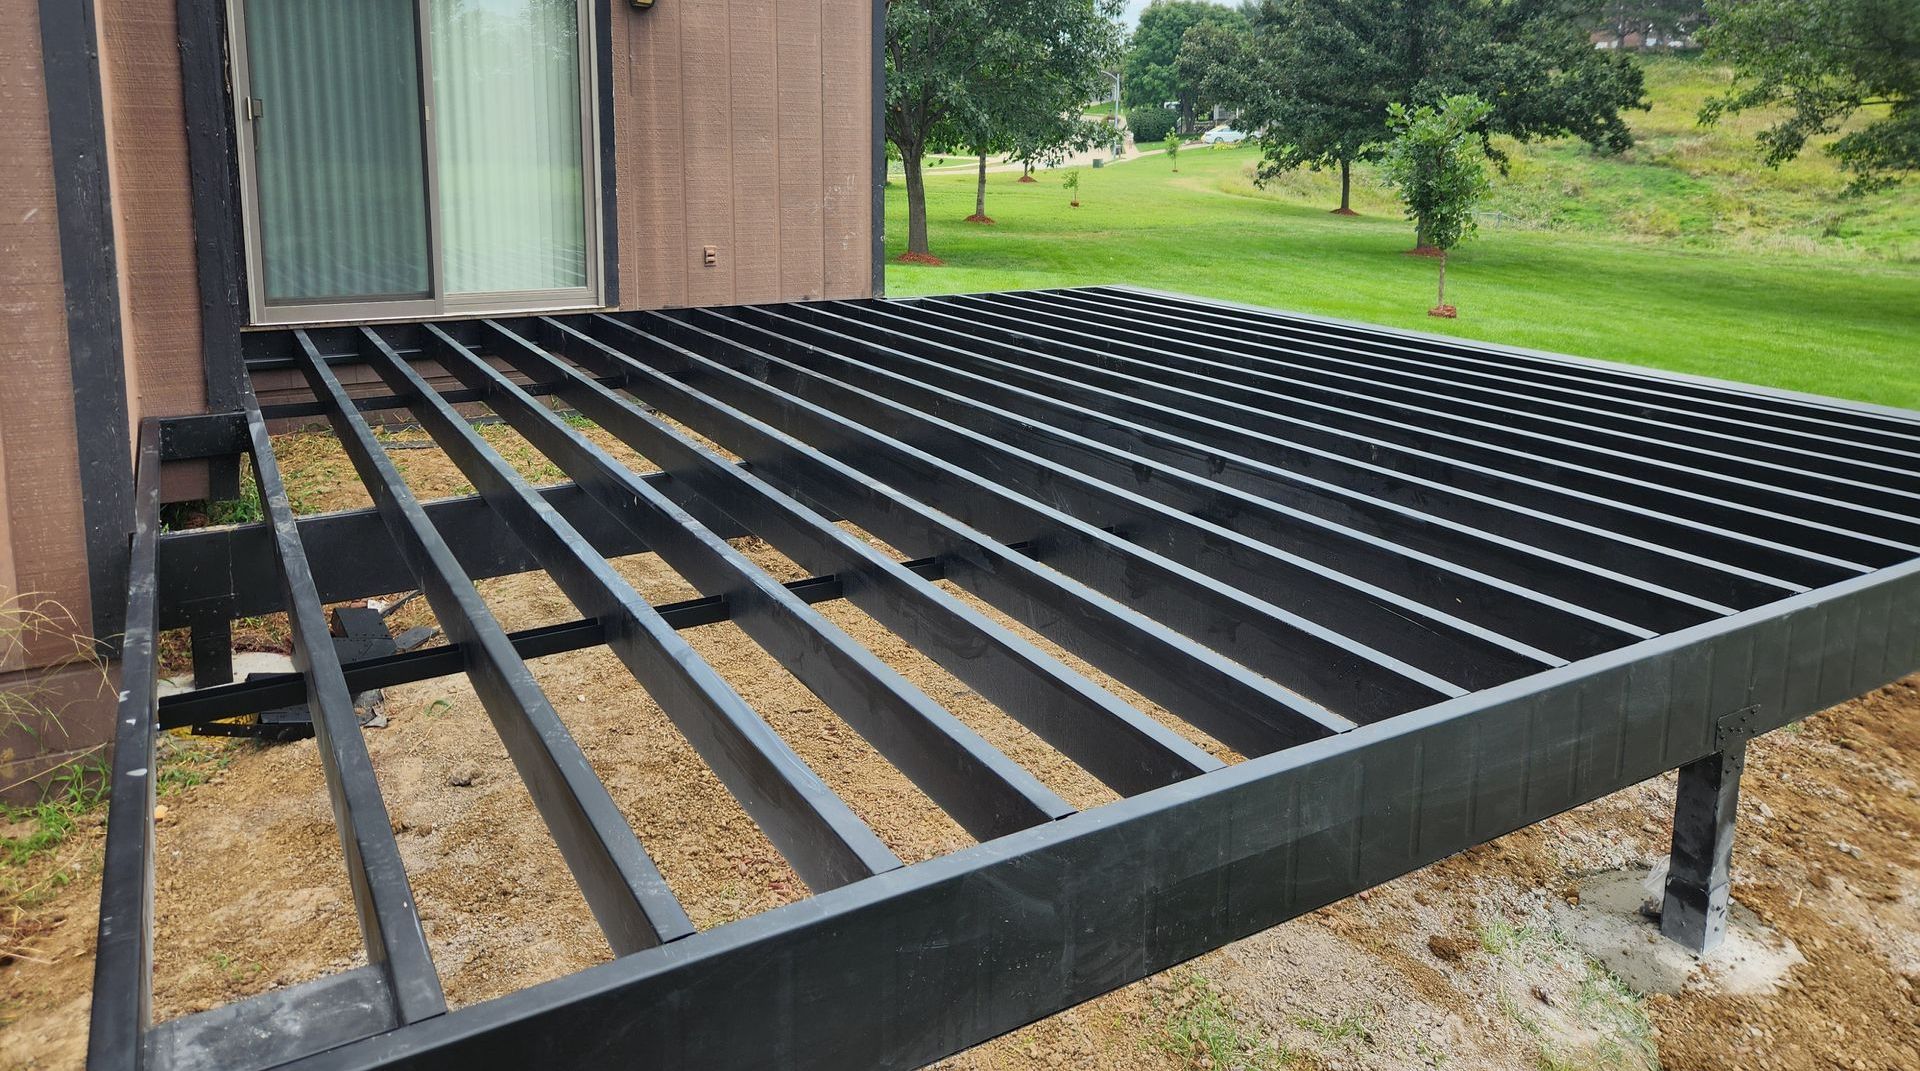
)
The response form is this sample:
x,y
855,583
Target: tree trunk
x,y
1421,235
980,190
1346,186
910,157
1442,302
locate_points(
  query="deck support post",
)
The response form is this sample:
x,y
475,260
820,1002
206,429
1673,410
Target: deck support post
x,y
1694,910
211,641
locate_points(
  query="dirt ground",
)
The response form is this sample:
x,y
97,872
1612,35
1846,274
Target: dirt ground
x,y
1476,962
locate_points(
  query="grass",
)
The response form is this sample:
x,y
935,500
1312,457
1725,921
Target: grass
x,y
1200,1030
1684,254
1603,1023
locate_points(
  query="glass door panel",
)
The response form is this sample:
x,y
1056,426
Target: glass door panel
x,y
339,149
507,131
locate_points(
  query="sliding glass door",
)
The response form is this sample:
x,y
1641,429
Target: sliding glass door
x,y
414,157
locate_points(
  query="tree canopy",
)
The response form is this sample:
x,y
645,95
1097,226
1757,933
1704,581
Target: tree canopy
x,y
1314,77
1438,165
1823,61
1153,74
993,76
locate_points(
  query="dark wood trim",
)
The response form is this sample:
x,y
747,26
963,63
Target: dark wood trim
x,y
609,157
879,148
217,227
77,129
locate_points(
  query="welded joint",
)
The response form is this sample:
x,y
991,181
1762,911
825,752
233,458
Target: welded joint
x,y
1698,895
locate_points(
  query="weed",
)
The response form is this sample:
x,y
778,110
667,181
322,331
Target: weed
x,y
1202,1031
76,790
1339,1031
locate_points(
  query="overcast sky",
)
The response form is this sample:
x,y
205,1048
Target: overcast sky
x,y
1134,7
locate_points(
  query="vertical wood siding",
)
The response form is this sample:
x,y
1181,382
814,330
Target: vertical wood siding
x,y
147,132
42,546
745,125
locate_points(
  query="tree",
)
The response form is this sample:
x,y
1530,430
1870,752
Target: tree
x,y
1313,77
1172,146
1666,19
1071,183
1822,61
991,75
1153,73
1438,164
1278,72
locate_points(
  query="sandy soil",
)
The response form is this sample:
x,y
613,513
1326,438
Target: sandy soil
x,y
1491,959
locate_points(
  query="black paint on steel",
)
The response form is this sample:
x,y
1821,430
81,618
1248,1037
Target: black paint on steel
x,y
273,690
609,158
1238,707
878,118
1699,874
627,894
812,827
187,438
123,957
77,130
925,422
1276,458
1079,437
1399,627
1113,741
277,1026
230,571
389,925
1202,864
218,240
985,792
210,641
1311,658
1714,505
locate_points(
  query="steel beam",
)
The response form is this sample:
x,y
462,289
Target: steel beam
x,y
1875,535
1628,387
1140,885
1430,639
628,896
983,791
123,953
1161,486
1238,708
1116,743
383,898
817,833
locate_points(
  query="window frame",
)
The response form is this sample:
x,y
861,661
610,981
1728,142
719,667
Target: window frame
x,y
595,109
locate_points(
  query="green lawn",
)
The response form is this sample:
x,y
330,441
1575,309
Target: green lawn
x,y
1767,301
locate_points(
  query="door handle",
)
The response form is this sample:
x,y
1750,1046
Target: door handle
x,y
256,108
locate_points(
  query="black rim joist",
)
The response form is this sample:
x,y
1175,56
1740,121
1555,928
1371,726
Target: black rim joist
x,y
1429,590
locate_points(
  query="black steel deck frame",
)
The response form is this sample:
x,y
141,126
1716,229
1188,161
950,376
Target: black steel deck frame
x,y
1429,591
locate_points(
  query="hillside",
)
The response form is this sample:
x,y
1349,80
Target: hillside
x,y
1684,253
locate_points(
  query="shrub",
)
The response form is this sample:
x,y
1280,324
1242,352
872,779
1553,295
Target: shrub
x,y
1149,124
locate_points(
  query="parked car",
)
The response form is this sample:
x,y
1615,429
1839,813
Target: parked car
x,y
1223,135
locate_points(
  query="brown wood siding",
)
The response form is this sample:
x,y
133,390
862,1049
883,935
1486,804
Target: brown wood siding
x,y
43,552
146,123
745,125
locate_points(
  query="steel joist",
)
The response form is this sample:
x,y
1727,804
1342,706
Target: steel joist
x,y
1393,595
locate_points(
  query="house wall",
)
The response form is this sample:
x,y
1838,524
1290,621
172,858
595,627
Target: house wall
x,y
42,543
44,600
745,125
